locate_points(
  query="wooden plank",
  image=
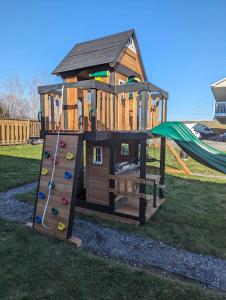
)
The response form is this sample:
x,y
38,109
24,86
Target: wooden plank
x,y
105,216
46,111
112,112
177,156
72,105
134,116
127,126
144,98
103,111
93,109
73,240
98,110
86,121
63,187
85,84
52,113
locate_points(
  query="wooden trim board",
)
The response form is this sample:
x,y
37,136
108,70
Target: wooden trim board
x,y
73,240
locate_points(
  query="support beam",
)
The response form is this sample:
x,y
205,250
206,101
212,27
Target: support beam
x,y
93,109
143,201
162,152
144,99
95,84
42,114
112,172
65,111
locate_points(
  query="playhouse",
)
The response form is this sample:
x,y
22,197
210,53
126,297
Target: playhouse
x,y
95,125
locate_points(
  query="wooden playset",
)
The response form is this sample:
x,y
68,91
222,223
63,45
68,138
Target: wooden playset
x,y
95,126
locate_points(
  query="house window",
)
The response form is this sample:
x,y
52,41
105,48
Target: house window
x,y
97,155
124,149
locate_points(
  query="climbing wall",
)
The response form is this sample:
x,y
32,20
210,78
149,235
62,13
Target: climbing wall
x,y
60,211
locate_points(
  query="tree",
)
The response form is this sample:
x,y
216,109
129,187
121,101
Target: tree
x,y
19,99
33,96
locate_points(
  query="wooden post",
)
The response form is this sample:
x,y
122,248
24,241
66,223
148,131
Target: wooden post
x,y
28,129
144,97
46,104
135,99
103,112
127,111
42,110
52,113
162,151
93,109
112,172
13,132
143,201
65,110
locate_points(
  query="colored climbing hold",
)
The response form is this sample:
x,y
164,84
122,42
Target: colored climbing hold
x,y
64,201
62,144
45,171
61,226
51,185
41,195
69,156
67,175
47,154
54,211
56,161
38,219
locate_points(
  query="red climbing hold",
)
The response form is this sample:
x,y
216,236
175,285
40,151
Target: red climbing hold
x,y
62,144
56,161
64,201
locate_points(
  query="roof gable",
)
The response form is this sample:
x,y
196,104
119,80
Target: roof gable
x,y
105,50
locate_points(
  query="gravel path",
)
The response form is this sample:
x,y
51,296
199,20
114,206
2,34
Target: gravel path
x,y
15,210
142,252
127,247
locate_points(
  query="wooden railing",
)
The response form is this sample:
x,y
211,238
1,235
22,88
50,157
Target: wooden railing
x,y
92,105
18,131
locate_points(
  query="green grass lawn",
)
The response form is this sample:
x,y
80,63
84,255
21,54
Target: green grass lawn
x,y
33,266
19,165
194,166
192,217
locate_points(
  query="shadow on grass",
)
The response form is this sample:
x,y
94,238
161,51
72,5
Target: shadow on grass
x,y
16,171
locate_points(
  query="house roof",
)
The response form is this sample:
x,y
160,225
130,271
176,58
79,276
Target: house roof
x,y
219,90
105,50
219,83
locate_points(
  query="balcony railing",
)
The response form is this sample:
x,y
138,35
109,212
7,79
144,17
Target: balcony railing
x,y
220,109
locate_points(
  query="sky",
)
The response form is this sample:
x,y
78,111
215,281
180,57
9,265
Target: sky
x,y
182,42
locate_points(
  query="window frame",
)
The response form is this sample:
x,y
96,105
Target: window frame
x,y
94,159
121,147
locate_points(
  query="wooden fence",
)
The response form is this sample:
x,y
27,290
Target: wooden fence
x,y
18,131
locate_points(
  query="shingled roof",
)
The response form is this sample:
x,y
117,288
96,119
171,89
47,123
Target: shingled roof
x,y
100,51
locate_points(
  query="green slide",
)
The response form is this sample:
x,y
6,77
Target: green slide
x,y
195,148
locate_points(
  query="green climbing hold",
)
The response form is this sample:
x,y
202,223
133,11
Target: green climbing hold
x,y
47,154
51,185
54,211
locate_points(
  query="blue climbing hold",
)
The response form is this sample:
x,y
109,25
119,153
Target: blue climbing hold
x,y
67,175
38,219
41,195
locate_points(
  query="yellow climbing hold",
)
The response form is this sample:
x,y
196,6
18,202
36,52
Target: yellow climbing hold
x,y
69,156
45,171
61,226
